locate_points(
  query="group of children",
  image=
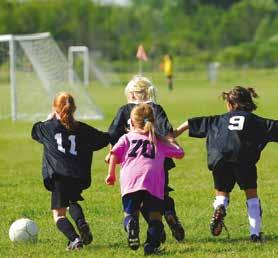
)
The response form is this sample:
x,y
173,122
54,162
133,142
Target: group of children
x,y
143,143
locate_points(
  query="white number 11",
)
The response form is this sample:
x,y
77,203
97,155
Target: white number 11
x,y
58,138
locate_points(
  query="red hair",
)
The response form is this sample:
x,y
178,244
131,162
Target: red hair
x,y
64,106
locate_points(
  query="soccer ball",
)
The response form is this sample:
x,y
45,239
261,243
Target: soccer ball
x,y
23,230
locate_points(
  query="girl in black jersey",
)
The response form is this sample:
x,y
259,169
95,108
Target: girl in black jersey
x,y
68,147
141,90
234,144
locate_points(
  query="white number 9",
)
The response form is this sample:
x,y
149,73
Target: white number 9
x,y
236,123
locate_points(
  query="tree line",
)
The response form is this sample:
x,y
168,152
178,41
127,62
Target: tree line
x,y
236,32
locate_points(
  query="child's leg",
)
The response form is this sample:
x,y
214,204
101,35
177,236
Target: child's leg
x,y
144,211
131,226
59,201
155,229
131,205
247,180
224,181
76,212
170,214
254,213
155,226
63,224
220,205
221,199
172,218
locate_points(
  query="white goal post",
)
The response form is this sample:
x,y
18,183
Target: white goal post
x,y
85,53
33,69
10,40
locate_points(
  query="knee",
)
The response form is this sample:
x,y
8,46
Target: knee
x,y
251,193
59,213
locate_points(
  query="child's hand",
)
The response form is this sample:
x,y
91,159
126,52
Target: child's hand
x,y
107,158
110,180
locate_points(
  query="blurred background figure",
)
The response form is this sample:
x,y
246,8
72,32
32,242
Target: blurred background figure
x,y
167,66
213,72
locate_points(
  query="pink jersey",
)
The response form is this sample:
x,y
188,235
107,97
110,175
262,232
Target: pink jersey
x,y
143,164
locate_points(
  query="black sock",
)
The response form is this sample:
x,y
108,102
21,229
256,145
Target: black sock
x,y
76,212
154,232
145,213
169,204
65,226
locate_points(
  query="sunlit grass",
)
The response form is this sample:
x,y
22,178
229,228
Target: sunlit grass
x,y
22,193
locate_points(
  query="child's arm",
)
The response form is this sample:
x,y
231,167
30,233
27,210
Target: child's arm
x,y
107,157
36,132
183,127
111,177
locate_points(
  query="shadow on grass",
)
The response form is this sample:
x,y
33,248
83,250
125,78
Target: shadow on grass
x,y
198,246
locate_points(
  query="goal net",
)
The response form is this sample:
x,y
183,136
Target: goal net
x,y
32,70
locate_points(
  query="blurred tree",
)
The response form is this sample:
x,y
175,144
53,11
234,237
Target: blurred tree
x,y
241,22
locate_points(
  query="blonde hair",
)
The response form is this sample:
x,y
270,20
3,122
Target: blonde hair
x,y
142,88
64,106
142,118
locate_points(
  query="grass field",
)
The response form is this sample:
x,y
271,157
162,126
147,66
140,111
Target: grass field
x,y
23,195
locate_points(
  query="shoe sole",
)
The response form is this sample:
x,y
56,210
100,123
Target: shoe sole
x,y
216,230
216,224
133,240
133,236
176,229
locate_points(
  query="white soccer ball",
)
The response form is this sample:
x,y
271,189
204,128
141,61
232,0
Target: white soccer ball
x,y
23,230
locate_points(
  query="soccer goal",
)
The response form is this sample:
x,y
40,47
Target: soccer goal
x,y
32,70
78,57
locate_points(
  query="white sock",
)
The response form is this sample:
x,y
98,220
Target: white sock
x,y
221,200
254,215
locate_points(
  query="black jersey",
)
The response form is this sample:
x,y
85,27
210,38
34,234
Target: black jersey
x,y
68,153
120,124
237,136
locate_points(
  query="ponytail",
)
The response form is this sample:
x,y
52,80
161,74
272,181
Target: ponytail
x,y
252,92
241,98
149,127
143,118
64,106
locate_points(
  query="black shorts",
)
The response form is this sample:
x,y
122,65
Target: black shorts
x,y
132,202
65,190
226,174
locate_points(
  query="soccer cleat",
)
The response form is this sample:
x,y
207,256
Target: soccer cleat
x,y
175,225
217,220
257,238
133,234
76,244
85,234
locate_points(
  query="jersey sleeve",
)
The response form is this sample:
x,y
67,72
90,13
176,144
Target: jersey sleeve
x,y
98,139
272,130
117,127
162,124
37,132
199,126
120,148
172,151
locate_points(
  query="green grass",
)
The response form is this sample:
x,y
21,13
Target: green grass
x,y
22,193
